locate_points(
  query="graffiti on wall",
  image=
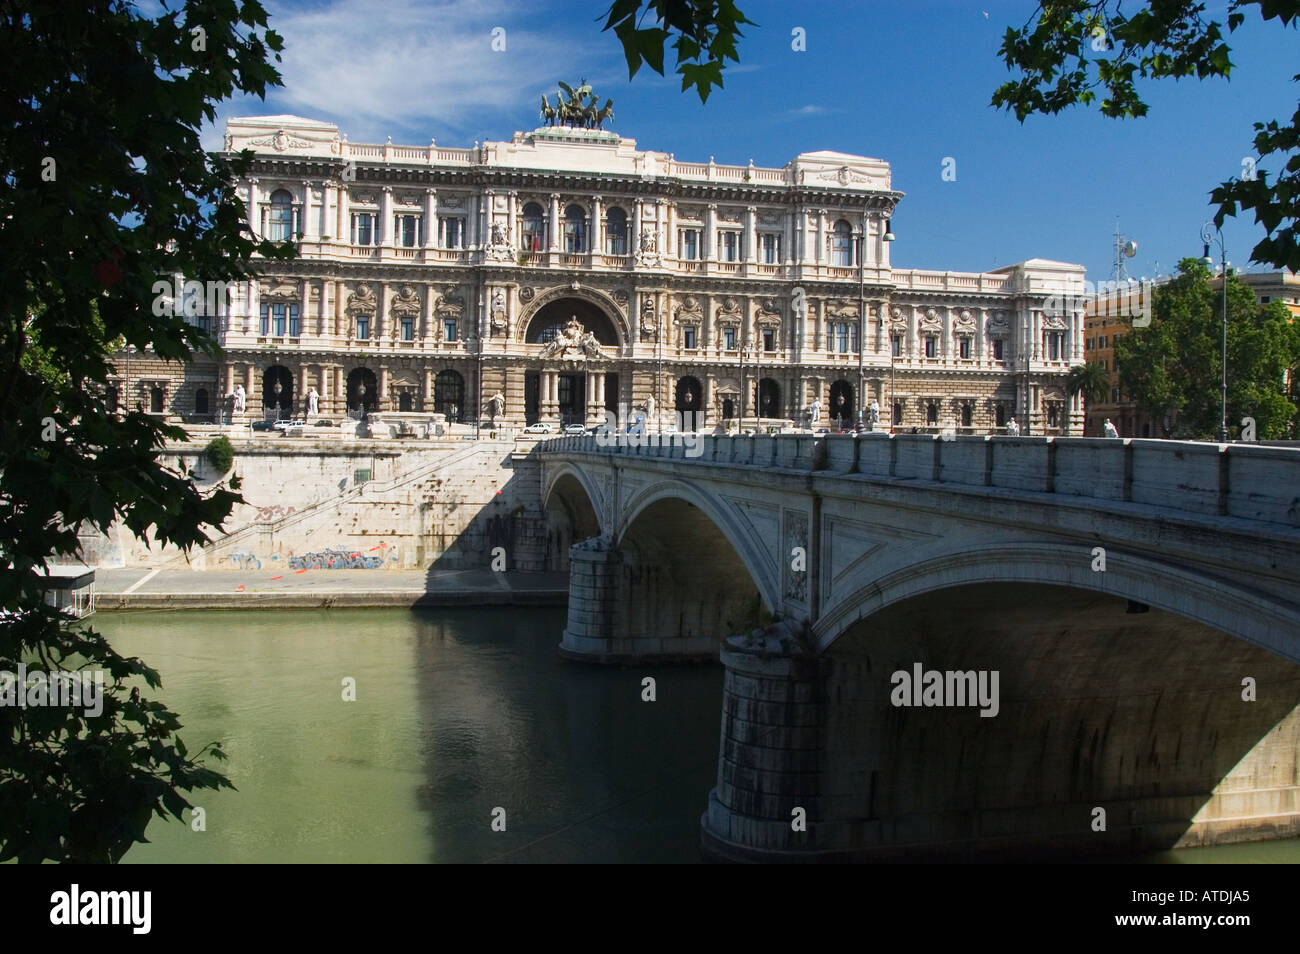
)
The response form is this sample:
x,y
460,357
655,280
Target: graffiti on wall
x,y
275,512
245,561
334,559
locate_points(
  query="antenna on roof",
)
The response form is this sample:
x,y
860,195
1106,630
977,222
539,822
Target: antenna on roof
x,y
1124,248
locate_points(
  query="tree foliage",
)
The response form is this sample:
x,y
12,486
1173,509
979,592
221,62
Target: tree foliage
x,y
104,189
706,33
1091,380
1173,367
1071,51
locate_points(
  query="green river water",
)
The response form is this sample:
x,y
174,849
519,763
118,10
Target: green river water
x,y
457,713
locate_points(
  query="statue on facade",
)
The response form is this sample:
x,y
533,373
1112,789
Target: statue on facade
x,y
572,338
873,414
650,407
241,401
1013,428
1109,429
496,407
814,411
313,403
497,311
648,243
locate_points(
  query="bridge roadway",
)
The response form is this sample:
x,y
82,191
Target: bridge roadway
x,y
1138,599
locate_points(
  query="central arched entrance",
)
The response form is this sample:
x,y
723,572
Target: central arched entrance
x,y
690,403
567,328
277,393
841,409
363,393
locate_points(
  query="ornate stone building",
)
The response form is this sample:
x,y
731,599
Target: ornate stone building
x,y
571,272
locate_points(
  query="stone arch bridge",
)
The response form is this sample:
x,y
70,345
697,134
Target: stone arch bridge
x,y
1129,610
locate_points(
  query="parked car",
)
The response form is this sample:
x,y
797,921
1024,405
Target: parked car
x,y
261,425
574,430
540,427
285,425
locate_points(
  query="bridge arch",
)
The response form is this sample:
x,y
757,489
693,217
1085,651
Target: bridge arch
x,y
574,507
739,538
1197,596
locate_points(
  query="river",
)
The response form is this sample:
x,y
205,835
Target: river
x,y
458,713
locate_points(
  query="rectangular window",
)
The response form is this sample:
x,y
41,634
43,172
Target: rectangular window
x,y
277,320
1101,342
931,346
450,329
842,336
729,246
770,248
363,327
898,412
966,415
688,337
408,329
997,349
1054,343
896,345
409,231
266,319
729,339
769,339
690,244
451,231
963,347
295,324
363,228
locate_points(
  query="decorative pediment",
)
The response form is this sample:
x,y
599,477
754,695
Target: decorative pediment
x,y
279,288
844,176
768,312
362,198
688,311
573,343
841,308
1053,323
361,301
769,218
930,320
728,215
693,212
408,198
999,325
406,304
451,202
964,321
281,141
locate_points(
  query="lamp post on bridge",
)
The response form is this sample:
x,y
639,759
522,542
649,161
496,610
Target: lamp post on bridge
x,y
1217,237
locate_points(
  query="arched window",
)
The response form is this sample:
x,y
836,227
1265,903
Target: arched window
x,y
281,216
201,401
533,235
842,244
449,394
574,220
616,232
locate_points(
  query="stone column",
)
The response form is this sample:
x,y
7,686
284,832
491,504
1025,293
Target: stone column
x,y
597,226
427,400
512,230
253,222
345,219
710,251
553,226
430,237
386,237
322,315
670,231
773,758
340,392
751,234
329,196
303,383
381,399
427,331
306,221
251,390
305,308
945,336
340,323
820,257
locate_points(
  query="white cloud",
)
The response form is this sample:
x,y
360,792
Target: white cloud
x,y
808,110
426,67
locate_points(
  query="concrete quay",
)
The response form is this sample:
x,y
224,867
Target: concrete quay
x,y
142,588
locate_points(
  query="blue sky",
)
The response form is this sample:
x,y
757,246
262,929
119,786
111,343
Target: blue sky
x,y
907,81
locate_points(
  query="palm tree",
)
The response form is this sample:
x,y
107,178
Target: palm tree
x,y
1090,379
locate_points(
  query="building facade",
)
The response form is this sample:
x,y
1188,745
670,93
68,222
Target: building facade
x,y
1108,316
566,272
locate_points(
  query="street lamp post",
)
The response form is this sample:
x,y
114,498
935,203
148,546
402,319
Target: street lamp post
x,y
1217,238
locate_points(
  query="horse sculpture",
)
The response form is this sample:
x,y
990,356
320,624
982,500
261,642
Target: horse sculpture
x,y
548,111
605,114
